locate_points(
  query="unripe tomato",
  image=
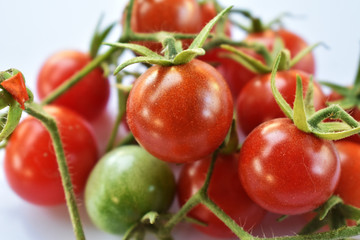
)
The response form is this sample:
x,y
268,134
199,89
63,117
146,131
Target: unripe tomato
x,y
126,184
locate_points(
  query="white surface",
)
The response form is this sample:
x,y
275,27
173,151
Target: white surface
x,y
32,30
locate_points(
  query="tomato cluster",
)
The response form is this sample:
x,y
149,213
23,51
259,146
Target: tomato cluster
x,y
185,114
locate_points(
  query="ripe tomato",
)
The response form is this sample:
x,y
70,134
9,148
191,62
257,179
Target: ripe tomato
x,y
125,184
182,16
292,42
256,103
88,97
225,190
30,162
347,189
180,113
287,171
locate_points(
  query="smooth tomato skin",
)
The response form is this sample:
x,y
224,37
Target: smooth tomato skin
x,y
125,184
30,163
225,190
88,97
348,187
256,103
287,171
180,113
292,42
182,16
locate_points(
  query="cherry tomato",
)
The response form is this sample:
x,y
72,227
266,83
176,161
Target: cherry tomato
x,y
30,163
256,103
225,190
292,42
89,97
287,171
180,113
182,16
347,189
126,184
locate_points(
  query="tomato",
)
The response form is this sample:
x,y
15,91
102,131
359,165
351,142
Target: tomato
x,y
225,190
126,184
256,103
89,97
180,113
347,189
30,163
182,16
287,171
291,41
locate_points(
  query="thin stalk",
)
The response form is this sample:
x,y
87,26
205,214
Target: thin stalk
x,y
50,124
122,97
228,221
78,76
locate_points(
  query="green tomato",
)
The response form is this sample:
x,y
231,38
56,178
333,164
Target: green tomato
x,y
125,184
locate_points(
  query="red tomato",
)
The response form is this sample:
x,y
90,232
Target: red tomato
x,y
182,16
256,103
180,113
292,42
88,97
348,187
225,190
354,112
30,162
287,171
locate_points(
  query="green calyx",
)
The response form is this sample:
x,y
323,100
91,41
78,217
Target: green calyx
x,y
173,53
257,66
11,118
333,213
350,95
307,119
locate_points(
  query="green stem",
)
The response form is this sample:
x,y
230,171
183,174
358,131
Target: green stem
x,y
192,202
50,124
128,139
122,98
164,232
228,221
78,76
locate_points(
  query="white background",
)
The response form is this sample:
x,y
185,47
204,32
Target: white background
x,y
32,30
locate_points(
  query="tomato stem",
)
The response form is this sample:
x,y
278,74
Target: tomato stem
x,y
122,98
50,124
78,76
